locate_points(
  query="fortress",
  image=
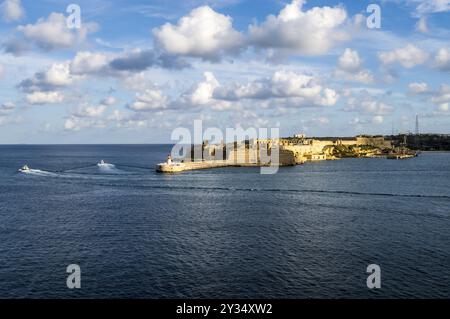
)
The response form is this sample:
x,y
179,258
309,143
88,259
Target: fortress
x,y
294,150
281,152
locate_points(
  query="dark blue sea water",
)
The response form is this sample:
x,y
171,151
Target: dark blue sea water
x,y
307,232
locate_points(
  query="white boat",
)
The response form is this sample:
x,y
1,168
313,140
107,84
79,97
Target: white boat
x,y
24,169
103,164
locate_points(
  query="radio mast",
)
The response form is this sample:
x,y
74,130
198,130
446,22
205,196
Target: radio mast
x,y
417,125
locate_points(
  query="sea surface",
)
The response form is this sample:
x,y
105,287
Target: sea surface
x,y
308,231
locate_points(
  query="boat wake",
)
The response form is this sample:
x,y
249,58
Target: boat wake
x,y
108,168
37,172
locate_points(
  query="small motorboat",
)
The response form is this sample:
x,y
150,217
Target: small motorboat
x,y
102,163
24,169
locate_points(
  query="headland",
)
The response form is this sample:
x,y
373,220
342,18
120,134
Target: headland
x,y
288,151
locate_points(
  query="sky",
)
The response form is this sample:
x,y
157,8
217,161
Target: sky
x,y
128,71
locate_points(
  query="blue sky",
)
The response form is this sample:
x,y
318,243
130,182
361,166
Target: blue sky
x,y
136,70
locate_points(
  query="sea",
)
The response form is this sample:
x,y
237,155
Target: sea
x,y
309,231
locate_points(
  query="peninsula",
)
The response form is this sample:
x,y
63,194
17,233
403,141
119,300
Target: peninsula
x,y
295,150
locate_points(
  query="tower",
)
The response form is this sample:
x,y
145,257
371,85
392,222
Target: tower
x,y
417,132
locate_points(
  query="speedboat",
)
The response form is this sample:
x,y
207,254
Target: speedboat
x,y
103,164
24,169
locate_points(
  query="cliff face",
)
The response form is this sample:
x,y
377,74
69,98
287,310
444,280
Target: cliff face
x,y
290,151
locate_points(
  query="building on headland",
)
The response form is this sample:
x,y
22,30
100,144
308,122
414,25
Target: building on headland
x,y
292,150
287,151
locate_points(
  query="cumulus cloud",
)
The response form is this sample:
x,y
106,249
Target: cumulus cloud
x,y
74,123
431,6
442,96
203,33
418,88
85,116
108,101
52,33
39,97
149,100
366,103
90,111
89,62
58,75
282,84
310,32
442,59
350,61
9,119
16,46
421,25
12,10
377,119
202,93
8,106
321,120
350,68
140,60
409,56
137,82
443,107
47,86
135,61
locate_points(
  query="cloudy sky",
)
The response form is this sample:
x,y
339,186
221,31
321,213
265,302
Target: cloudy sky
x,y
135,70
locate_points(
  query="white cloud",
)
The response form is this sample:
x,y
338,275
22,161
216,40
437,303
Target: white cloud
x,y
418,88
442,59
409,56
202,93
150,99
39,97
350,68
90,111
4,120
203,33
12,10
108,101
321,120
137,82
443,107
74,124
310,32
432,6
422,26
350,61
88,62
442,96
53,33
2,70
329,98
282,84
366,103
375,107
378,119
8,106
56,76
